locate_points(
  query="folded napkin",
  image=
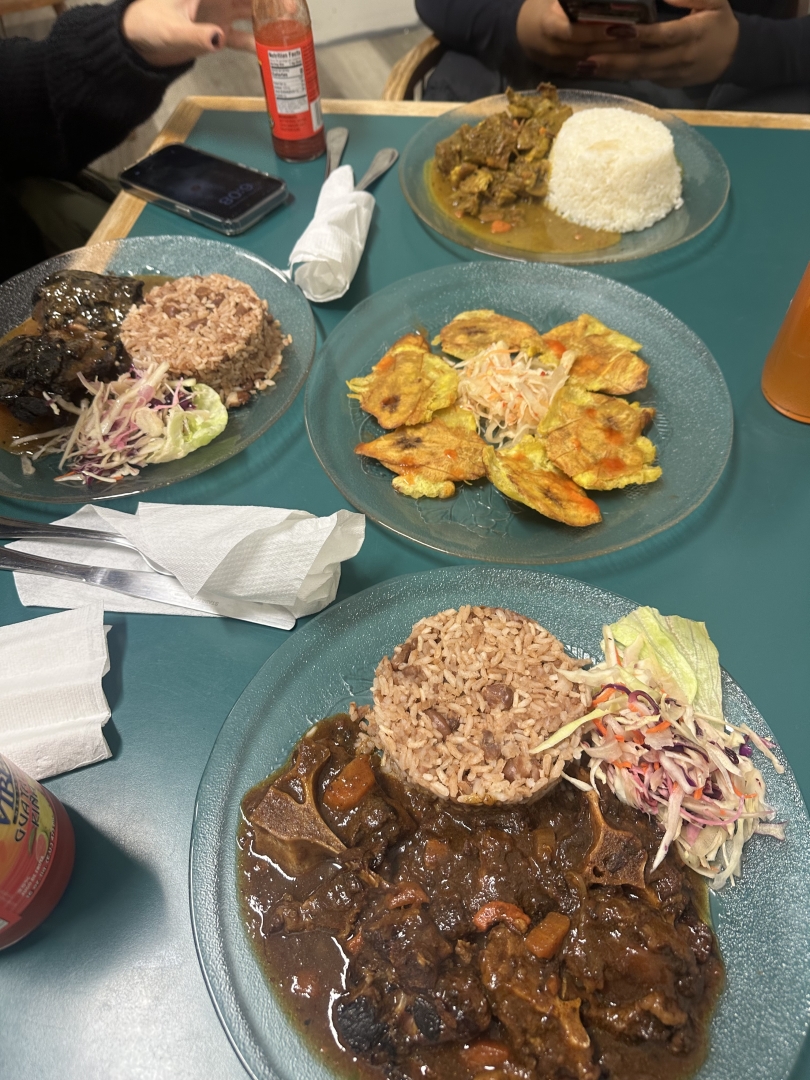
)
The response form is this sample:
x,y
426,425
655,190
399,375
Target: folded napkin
x,y
52,707
326,255
256,563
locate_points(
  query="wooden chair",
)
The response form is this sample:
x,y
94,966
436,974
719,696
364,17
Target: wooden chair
x,y
411,70
11,7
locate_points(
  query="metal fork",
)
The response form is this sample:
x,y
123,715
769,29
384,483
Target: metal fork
x,y
12,529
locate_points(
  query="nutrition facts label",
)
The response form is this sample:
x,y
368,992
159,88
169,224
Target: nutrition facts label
x,y
289,81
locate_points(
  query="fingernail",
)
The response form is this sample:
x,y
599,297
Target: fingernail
x,y
585,68
216,40
621,30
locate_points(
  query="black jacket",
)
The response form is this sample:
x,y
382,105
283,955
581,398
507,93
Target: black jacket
x,y
773,51
63,102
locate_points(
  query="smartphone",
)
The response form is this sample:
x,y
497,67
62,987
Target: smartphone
x,y
207,189
610,11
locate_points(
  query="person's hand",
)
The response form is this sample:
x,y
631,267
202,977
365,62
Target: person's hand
x,y
547,36
690,51
170,32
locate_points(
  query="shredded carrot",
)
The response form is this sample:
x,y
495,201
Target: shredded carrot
x,y
736,790
618,737
603,695
500,227
697,793
657,727
638,738
622,764
600,727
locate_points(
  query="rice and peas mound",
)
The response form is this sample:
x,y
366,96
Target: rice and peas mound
x,y
461,704
214,329
614,169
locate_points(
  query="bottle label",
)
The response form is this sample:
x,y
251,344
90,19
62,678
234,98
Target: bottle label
x,y
291,88
27,841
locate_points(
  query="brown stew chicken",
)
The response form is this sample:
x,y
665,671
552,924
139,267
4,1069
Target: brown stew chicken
x,y
412,937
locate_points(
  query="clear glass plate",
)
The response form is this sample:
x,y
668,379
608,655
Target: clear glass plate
x,y
705,183
762,923
174,256
692,428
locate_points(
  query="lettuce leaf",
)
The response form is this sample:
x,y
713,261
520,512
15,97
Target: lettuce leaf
x,y
189,430
683,657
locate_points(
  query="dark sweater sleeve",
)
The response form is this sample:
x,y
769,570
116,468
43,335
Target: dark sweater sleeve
x,y
75,95
770,52
486,29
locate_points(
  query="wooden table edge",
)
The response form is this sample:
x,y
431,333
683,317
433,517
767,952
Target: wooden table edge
x,y
126,208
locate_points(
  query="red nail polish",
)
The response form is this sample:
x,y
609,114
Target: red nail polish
x,y
216,40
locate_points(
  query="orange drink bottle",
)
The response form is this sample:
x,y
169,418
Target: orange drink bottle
x,y
786,375
283,32
36,853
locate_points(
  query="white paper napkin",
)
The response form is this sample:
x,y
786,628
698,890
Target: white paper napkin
x,y
52,707
326,255
258,563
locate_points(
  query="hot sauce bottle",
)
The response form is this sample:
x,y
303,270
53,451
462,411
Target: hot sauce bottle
x,y
286,51
36,853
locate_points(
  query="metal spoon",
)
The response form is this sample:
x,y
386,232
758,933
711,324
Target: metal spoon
x,y
12,529
336,139
381,163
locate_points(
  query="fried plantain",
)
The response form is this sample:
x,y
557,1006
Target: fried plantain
x,y
606,359
524,472
407,386
470,332
428,458
597,440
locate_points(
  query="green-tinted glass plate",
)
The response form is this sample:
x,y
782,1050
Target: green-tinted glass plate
x,y
692,428
705,184
762,924
175,256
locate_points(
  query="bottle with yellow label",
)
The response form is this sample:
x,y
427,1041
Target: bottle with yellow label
x,y
36,853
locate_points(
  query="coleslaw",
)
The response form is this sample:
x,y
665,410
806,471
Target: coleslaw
x,y
141,418
510,394
657,737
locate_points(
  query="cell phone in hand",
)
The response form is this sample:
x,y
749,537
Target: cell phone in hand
x,y
610,11
210,190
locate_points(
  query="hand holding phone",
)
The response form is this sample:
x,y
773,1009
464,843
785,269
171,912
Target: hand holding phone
x,y
209,190
549,37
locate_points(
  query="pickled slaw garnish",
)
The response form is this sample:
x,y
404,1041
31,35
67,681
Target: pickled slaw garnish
x,y
659,740
511,394
141,418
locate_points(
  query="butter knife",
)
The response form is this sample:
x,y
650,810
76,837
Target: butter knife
x,y
145,585
141,583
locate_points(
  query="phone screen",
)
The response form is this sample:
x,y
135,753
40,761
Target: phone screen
x,y
202,181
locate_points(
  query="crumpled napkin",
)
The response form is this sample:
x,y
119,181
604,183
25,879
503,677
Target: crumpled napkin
x,y
52,707
326,255
258,563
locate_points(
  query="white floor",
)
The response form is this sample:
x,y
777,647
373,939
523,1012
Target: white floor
x,y
349,69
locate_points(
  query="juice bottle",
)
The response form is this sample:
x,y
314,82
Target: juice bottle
x,y
283,33
786,375
36,853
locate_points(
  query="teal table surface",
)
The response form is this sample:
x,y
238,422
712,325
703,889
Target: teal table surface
x,y
109,985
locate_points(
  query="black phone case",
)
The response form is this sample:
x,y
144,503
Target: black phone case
x,y
610,11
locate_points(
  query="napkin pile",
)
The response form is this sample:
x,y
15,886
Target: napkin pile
x,y
52,707
257,563
326,255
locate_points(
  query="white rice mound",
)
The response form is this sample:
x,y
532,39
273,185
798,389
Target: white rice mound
x,y
614,169
462,707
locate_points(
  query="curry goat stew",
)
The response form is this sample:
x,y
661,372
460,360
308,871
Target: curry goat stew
x,y
462,942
